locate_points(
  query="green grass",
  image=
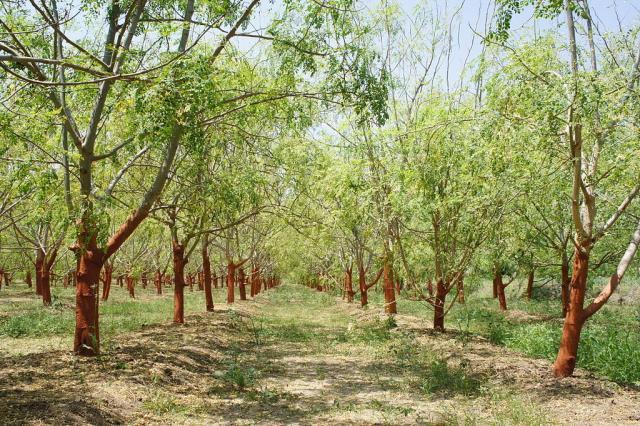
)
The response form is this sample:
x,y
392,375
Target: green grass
x,y
610,343
29,318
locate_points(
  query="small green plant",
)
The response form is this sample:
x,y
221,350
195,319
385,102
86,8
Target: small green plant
x,y
441,378
239,377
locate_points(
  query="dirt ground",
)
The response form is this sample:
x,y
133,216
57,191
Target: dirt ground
x,y
294,357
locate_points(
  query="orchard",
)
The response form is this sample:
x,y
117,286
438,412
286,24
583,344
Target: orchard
x,y
319,212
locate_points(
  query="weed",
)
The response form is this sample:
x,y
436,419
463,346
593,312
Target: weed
x,y
441,378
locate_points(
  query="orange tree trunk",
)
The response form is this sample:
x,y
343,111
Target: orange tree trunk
x,y
241,284
348,279
438,305
567,354
106,281
495,287
502,298
389,290
231,280
89,263
45,277
565,283
131,286
178,282
530,279
362,283
206,272
255,281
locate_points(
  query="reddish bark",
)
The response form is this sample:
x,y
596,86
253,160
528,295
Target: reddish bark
x,y
90,260
206,272
231,278
389,290
530,279
567,354
178,282
131,286
499,284
107,277
348,283
438,305
44,273
495,287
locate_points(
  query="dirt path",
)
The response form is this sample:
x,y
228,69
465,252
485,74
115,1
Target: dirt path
x,y
298,357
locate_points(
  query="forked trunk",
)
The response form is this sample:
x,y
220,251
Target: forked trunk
x,y
438,305
206,272
389,290
567,354
178,282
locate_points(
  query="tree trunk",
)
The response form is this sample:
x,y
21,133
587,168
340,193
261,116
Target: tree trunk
x,y
438,305
90,260
158,282
389,290
27,279
106,282
206,272
502,298
565,282
45,284
530,284
178,282
231,278
362,282
241,284
348,279
131,286
567,354
495,287
143,280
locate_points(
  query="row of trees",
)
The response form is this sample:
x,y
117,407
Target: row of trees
x,y
330,143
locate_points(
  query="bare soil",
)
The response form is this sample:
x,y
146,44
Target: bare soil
x,y
269,362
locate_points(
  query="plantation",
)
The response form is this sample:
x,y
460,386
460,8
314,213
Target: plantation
x,y
319,212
